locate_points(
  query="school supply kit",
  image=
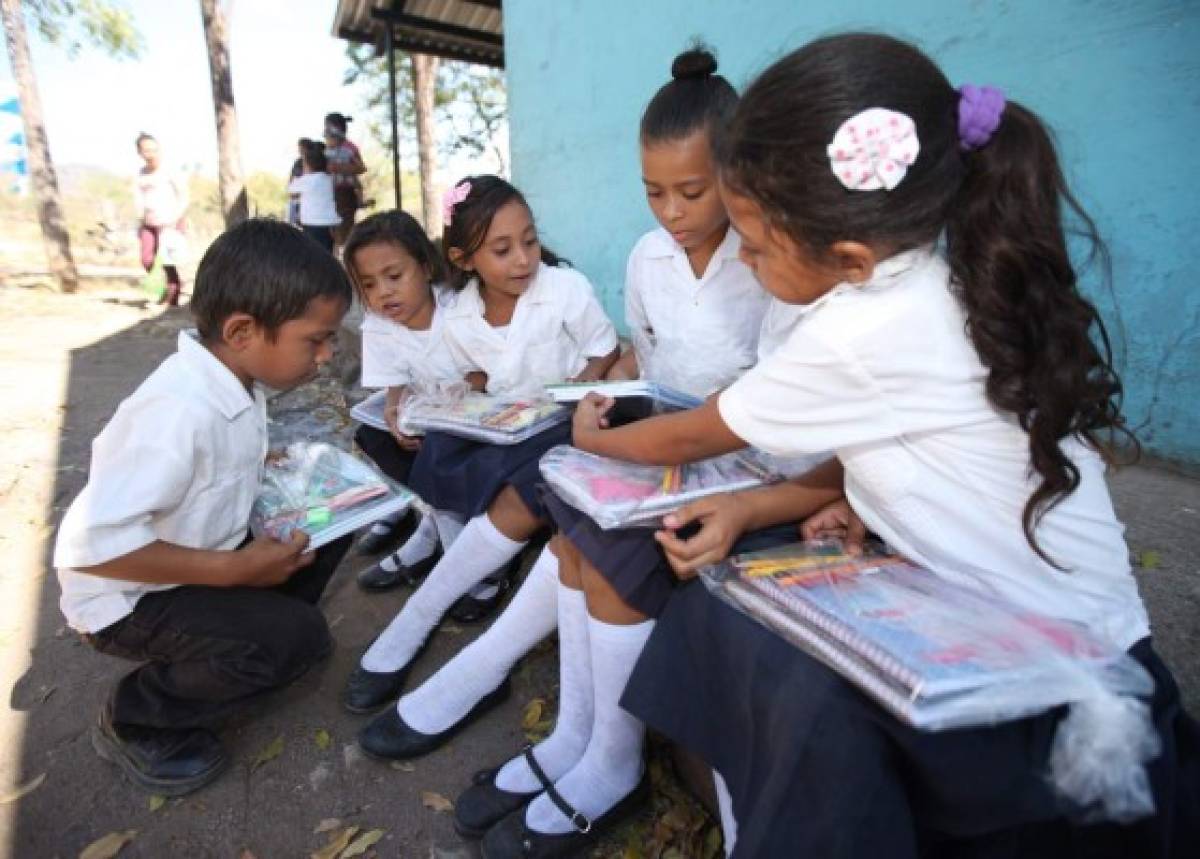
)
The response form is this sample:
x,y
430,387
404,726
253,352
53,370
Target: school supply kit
x,y
323,491
941,654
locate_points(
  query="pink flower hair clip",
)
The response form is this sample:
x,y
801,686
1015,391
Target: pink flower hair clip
x,y
873,149
452,198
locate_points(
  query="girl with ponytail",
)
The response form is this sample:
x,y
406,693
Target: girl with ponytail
x,y
948,358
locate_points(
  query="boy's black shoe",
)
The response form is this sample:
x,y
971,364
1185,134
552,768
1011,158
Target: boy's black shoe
x,y
375,578
165,761
469,609
512,839
390,738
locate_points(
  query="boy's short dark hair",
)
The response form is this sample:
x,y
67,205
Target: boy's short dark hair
x,y
267,269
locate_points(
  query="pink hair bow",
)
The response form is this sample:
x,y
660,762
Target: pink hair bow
x,y
452,198
874,149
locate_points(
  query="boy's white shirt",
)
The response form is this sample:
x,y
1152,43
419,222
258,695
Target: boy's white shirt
x,y
393,355
556,327
885,375
180,461
317,207
694,334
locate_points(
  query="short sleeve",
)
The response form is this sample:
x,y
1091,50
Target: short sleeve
x,y
807,397
635,311
584,318
142,466
296,186
384,364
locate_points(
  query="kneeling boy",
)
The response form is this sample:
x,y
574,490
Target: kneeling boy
x,y
153,555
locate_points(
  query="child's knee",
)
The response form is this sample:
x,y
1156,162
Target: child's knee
x,y
293,643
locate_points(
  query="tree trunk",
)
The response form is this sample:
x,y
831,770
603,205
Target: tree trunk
x,y
37,148
229,156
424,76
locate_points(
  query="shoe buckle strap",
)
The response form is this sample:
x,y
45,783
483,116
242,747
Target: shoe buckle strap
x,y
580,821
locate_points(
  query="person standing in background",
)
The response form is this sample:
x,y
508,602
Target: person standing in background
x,y
160,199
345,164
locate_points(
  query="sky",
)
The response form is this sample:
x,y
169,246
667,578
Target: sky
x,y
287,74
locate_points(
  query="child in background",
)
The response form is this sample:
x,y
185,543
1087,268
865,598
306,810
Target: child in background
x,y
520,320
314,186
153,556
685,289
345,165
684,284
160,199
966,400
293,207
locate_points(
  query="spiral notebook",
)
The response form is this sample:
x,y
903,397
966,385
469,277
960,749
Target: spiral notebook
x,y
933,652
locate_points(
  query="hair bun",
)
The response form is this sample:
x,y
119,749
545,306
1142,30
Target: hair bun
x,y
698,62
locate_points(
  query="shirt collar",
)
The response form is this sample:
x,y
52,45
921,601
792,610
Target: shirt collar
x,y
887,273
218,383
470,303
660,245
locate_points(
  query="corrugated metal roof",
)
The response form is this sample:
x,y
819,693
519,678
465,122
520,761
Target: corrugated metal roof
x,y
469,30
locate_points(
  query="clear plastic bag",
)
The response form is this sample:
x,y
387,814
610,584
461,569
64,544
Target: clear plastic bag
x,y
494,418
940,655
324,491
618,494
668,398
370,412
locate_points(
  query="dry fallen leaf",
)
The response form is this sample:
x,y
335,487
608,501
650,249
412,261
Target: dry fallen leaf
x,y
337,843
435,801
363,843
323,739
273,750
403,766
533,713
326,825
109,845
22,790
1149,560
247,854
157,802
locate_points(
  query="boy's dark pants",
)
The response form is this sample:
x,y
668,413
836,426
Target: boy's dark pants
x,y
207,649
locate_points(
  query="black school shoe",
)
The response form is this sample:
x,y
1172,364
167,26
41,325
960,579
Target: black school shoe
x,y
375,578
389,738
483,804
469,609
164,761
512,839
379,535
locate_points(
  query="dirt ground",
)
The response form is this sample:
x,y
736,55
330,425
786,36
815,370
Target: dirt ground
x,y
65,361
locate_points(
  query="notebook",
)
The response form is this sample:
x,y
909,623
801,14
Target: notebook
x,y
324,491
933,652
618,494
573,392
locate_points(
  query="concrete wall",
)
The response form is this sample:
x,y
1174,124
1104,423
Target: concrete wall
x,y
1119,81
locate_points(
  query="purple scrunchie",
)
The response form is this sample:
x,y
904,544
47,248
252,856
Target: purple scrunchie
x,y
979,112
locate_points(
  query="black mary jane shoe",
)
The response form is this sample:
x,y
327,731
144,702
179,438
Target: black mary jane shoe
x,y
388,738
512,839
377,538
469,609
367,691
375,578
483,804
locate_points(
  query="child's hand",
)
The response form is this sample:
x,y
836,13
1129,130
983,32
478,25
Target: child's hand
x,y
267,562
590,417
410,443
589,374
836,521
722,519
477,380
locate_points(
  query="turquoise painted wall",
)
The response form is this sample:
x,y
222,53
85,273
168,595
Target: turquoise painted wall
x,y
1118,81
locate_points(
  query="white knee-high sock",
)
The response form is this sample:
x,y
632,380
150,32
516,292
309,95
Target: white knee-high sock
x,y
447,696
449,526
565,746
417,548
725,806
478,550
612,764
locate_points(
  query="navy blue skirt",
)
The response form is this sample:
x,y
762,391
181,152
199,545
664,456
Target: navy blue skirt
x,y
393,460
631,560
815,768
464,476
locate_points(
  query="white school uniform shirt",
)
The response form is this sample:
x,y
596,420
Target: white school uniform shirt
x,y
393,356
694,334
181,461
885,375
556,327
316,199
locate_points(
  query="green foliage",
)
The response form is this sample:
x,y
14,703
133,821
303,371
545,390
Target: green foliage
x,y
72,24
470,99
268,194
